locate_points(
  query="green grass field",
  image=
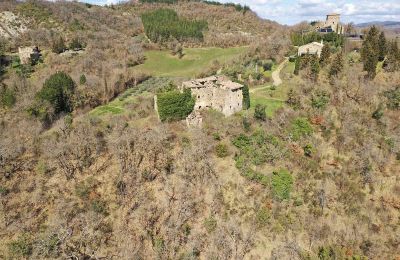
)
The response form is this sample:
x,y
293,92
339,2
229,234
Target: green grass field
x,y
118,105
194,61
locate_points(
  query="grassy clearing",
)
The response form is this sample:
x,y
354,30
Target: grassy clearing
x,y
195,61
118,105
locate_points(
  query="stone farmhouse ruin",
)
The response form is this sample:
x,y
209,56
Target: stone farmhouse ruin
x,y
216,92
28,55
331,24
314,48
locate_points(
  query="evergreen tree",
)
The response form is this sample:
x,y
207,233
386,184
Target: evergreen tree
x,y
392,63
297,65
314,64
370,62
259,112
337,65
370,51
382,48
325,55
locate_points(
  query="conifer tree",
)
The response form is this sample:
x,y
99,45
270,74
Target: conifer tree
x,y
297,65
370,62
392,63
325,55
314,64
382,48
337,65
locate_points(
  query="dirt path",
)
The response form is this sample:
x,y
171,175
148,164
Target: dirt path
x,y
276,74
275,77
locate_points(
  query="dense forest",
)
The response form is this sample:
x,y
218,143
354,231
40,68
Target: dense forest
x,y
163,24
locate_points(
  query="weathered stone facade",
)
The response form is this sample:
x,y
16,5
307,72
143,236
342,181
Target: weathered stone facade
x,y
331,24
314,48
28,55
216,92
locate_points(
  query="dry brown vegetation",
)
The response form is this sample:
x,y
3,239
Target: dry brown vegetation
x,y
125,186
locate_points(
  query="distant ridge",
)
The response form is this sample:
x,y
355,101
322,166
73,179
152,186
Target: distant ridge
x,y
386,24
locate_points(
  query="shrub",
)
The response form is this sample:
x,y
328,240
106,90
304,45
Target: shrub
x,y
76,44
58,90
82,79
174,105
262,216
320,99
58,45
7,97
99,206
378,113
21,247
282,183
241,141
259,112
308,150
258,177
393,98
221,150
301,127
210,224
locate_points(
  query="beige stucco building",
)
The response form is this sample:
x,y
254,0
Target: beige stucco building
x,y
314,48
216,92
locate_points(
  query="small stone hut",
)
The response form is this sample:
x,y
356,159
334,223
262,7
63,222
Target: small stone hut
x,y
28,55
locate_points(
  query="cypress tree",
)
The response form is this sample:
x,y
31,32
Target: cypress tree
x,y
382,48
392,63
314,64
337,65
325,55
297,65
371,60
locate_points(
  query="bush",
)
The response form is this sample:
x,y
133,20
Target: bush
x,y
82,79
262,216
58,90
76,44
7,97
282,183
21,247
221,150
320,99
301,127
210,224
259,112
174,105
393,98
58,46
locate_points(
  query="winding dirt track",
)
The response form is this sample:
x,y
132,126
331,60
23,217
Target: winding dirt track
x,y
275,77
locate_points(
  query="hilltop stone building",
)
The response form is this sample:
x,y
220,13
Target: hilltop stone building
x,y
216,92
331,24
311,48
28,55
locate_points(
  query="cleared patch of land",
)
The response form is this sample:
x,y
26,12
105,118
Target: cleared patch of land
x,y
194,61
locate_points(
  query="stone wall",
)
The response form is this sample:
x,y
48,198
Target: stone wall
x,y
223,100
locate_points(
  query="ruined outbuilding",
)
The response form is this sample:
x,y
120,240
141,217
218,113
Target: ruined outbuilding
x,y
29,55
217,92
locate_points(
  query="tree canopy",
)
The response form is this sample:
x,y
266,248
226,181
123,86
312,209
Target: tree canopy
x,y
163,24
